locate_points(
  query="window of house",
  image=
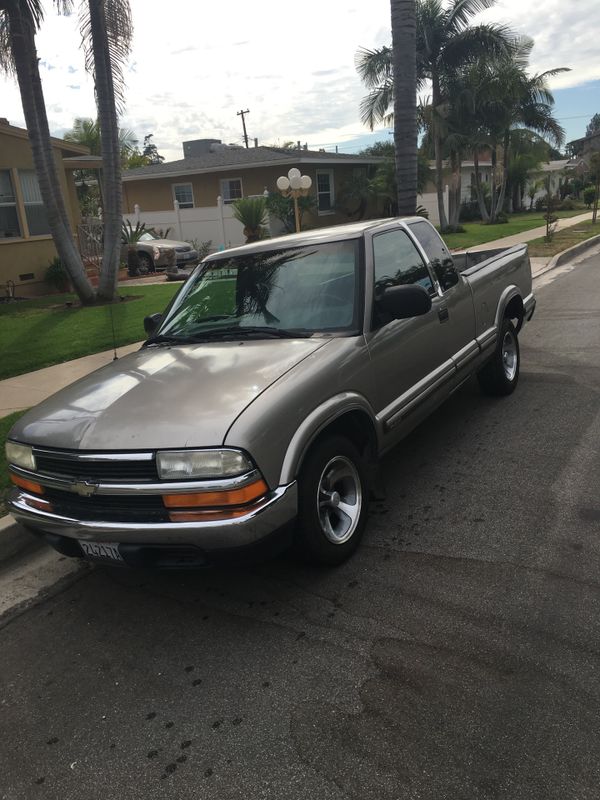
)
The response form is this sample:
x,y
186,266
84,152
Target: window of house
x,y
231,189
325,194
35,211
9,219
183,193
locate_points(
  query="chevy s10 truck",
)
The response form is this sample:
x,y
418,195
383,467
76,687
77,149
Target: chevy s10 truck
x,y
255,413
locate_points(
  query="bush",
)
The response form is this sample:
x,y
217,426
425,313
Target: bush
x,y
501,218
540,204
589,195
469,211
56,276
568,205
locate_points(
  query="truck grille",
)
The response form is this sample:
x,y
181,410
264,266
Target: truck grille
x,y
67,465
108,508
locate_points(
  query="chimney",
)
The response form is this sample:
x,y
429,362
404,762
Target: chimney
x,y
299,145
255,142
198,147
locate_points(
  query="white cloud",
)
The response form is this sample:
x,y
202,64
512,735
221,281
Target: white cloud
x,y
194,65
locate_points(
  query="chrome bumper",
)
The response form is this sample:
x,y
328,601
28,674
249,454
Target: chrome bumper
x,y
276,510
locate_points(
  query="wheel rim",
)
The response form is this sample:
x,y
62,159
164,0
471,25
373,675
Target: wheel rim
x,y
339,500
509,356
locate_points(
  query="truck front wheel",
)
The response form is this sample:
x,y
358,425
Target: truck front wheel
x,y
332,501
501,374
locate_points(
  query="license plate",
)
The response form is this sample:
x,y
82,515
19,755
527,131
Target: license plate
x,y
102,551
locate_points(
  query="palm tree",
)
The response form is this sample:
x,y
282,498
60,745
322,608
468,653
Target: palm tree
x,y
252,213
445,43
106,31
86,131
19,23
404,70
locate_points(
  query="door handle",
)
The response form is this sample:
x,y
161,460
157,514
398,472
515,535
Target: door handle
x,y
443,314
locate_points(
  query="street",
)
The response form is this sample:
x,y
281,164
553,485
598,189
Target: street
x,y
455,656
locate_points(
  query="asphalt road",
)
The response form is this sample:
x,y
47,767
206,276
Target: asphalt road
x,y
455,656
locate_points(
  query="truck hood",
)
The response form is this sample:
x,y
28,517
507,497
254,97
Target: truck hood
x,y
162,397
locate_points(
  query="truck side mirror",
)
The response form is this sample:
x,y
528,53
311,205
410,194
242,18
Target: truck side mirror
x,y
404,302
151,323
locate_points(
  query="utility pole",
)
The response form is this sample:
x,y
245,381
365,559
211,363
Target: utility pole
x,y
241,114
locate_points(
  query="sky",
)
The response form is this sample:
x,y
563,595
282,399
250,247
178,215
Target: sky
x,y
194,65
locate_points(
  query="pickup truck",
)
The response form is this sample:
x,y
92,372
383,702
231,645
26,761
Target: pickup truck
x,y
255,413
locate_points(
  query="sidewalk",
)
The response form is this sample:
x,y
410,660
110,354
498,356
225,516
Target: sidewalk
x,y
533,233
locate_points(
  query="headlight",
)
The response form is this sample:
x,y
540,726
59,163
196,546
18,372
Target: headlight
x,y
20,455
185,464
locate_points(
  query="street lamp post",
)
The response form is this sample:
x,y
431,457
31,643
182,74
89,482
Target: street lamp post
x,y
295,186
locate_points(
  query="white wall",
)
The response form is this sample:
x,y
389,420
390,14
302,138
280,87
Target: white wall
x,y
215,224
429,202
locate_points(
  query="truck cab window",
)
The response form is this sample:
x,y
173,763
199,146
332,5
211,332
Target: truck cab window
x,y
396,262
438,254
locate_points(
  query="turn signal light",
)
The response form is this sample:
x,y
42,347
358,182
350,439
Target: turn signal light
x,y
23,483
207,516
232,497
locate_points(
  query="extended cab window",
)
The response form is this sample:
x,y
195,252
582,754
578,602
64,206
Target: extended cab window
x,y
437,253
396,261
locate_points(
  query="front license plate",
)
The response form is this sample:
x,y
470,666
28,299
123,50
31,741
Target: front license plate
x,y
103,551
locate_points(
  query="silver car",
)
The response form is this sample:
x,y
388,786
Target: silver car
x,y
255,413
153,253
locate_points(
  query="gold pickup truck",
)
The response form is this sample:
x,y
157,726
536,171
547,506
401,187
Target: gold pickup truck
x,y
254,415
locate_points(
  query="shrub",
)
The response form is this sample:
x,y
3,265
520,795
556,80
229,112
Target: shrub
x,y
56,276
501,218
422,212
469,211
568,205
589,195
540,204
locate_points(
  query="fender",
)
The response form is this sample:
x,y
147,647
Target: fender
x,y
317,421
507,295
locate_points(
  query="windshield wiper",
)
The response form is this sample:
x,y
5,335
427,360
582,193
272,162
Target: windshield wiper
x,y
230,332
237,331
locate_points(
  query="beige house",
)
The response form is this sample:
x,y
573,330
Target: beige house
x,y
26,247
211,170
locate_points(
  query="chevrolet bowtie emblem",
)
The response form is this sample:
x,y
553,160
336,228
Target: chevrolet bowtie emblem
x,y
83,488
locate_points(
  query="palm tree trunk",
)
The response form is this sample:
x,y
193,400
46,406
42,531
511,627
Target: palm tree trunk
x,y
504,171
111,154
404,26
438,145
22,34
478,188
456,190
494,199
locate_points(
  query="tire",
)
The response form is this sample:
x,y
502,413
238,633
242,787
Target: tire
x,y
499,377
146,264
333,474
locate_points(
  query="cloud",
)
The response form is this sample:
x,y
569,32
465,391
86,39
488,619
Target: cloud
x,y
299,81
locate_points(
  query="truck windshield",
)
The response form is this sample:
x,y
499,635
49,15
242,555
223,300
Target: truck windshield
x,y
310,289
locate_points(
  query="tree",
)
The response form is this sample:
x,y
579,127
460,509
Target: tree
x,y
252,213
106,33
445,43
404,71
19,23
150,151
86,131
593,125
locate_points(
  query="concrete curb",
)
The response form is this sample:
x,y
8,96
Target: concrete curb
x,y
13,538
567,255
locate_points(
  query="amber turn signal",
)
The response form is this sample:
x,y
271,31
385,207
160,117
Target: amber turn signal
x,y
233,497
23,483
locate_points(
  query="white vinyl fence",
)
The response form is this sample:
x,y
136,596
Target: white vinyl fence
x,y
215,224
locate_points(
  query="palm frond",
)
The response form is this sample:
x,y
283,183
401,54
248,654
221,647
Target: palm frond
x,y
489,41
374,66
460,12
374,108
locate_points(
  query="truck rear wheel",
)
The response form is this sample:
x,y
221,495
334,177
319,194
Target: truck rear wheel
x,y
332,501
501,374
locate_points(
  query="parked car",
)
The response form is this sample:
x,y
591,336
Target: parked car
x,y
255,413
153,253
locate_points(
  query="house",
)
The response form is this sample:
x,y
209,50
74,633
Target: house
x,y
26,247
193,196
585,147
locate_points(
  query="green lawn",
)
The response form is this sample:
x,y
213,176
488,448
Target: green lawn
x,y
6,424
477,233
41,332
564,239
